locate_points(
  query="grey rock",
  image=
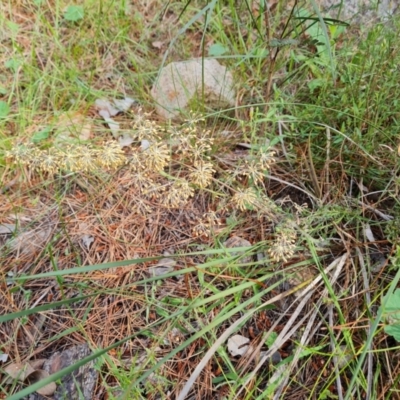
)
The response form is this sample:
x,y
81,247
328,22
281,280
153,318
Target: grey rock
x,y
236,241
179,83
360,11
77,385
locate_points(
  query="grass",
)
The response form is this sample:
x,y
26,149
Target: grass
x,y
301,176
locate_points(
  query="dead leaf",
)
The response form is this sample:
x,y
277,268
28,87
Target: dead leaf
x,y
108,109
37,376
37,364
368,233
164,266
79,384
238,345
158,44
18,371
87,240
125,140
124,104
30,242
105,108
114,126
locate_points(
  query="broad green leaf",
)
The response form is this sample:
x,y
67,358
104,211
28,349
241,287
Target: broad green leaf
x,y
391,314
41,135
74,13
217,49
4,109
316,83
393,330
13,27
12,64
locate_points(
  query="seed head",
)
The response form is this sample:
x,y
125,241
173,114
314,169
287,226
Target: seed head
x,y
111,156
50,161
70,159
178,193
202,174
266,159
146,129
156,157
24,155
252,170
201,229
244,198
284,245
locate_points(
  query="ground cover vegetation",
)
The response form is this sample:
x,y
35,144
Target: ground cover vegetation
x,y
248,253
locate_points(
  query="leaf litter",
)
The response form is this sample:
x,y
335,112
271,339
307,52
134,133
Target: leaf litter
x,y
29,374
100,216
107,109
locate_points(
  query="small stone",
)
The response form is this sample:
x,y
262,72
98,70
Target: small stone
x,y
79,384
236,241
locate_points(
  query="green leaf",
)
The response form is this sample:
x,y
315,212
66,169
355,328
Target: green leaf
x,y
271,339
283,42
12,64
4,109
391,313
217,49
315,83
393,330
41,135
74,13
13,27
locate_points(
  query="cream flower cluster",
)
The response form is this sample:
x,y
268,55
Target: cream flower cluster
x,y
73,158
151,173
